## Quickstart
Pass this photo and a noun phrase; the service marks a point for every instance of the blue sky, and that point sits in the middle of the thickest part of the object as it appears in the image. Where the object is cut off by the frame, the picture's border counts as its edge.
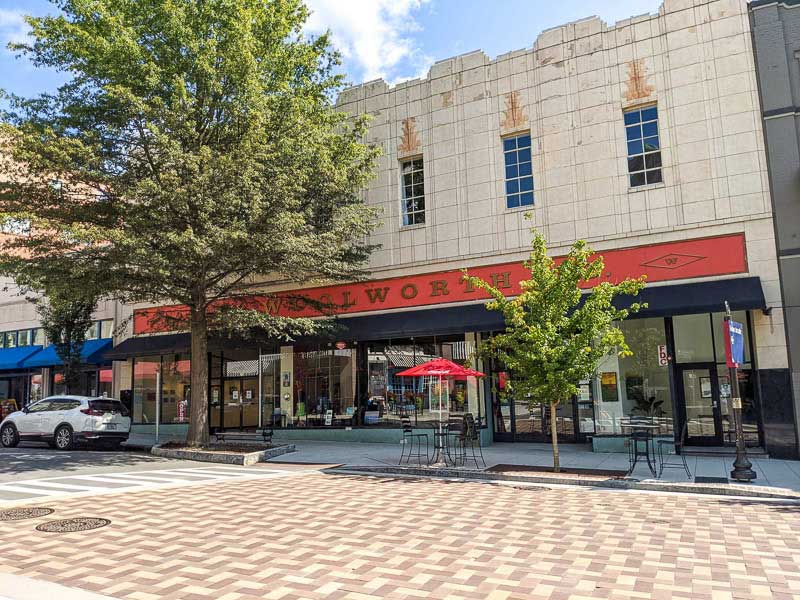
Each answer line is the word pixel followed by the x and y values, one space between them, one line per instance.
pixel 393 39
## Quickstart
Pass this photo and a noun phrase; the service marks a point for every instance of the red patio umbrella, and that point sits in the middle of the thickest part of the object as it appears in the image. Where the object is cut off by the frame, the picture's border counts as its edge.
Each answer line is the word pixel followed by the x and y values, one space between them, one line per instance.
pixel 440 367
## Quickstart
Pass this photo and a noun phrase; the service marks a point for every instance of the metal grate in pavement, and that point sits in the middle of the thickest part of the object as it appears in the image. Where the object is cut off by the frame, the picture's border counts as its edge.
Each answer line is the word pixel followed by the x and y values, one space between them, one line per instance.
pixel 698 479
pixel 24 512
pixel 73 525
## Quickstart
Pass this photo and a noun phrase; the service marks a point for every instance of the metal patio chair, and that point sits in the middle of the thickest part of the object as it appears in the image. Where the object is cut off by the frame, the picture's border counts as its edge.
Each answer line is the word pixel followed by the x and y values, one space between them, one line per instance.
pixel 409 436
pixel 674 448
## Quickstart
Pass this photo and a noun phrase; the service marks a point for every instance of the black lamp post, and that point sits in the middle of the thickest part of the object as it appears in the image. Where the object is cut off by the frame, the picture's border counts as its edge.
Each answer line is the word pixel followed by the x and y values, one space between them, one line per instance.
pixel 742 467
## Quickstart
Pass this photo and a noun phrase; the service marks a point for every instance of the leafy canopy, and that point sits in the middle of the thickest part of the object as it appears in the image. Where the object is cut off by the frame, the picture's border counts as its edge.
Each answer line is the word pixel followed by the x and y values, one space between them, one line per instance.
pixel 556 334
pixel 199 151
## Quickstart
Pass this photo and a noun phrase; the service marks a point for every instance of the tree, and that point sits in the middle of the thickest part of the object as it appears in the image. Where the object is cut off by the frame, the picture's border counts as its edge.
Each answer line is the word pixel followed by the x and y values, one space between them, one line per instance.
pixel 200 154
pixel 66 315
pixel 555 333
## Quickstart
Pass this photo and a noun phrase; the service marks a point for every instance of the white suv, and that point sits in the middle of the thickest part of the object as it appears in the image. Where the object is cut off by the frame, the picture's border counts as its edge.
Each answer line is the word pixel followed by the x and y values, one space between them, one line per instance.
pixel 61 421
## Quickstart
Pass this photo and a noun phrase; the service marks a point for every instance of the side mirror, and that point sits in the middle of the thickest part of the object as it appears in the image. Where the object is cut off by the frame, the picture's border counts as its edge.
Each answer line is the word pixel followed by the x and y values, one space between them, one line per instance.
pixel 25 409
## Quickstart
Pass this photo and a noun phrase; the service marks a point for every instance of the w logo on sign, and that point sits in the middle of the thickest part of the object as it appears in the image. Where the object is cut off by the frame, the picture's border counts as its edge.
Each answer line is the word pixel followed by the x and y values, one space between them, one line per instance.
pixel 672 261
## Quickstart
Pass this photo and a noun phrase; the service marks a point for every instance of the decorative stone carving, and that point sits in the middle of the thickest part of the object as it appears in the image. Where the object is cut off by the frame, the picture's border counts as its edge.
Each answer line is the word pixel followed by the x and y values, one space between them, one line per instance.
pixel 637 86
pixel 409 141
pixel 447 99
pixel 514 116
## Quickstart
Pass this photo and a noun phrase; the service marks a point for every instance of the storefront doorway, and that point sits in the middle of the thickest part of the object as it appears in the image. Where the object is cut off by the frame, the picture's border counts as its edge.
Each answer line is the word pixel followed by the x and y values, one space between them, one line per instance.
pixel 705 397
pixel 240 399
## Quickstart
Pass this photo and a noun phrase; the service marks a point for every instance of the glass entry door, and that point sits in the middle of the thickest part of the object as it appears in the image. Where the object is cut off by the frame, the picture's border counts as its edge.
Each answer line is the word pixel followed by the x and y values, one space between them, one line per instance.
pixel 707 410
pixel 240 400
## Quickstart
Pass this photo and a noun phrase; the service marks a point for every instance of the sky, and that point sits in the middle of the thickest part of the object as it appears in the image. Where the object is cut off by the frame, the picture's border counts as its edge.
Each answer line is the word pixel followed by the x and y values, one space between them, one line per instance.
pixel 390 39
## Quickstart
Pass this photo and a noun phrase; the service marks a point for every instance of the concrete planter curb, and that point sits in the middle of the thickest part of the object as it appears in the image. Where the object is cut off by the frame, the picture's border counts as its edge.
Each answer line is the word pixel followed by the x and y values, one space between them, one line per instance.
pixel 730 489
pixel 244 458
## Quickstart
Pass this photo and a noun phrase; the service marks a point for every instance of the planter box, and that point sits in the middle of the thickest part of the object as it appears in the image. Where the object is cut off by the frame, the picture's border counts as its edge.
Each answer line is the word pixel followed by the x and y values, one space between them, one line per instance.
pixel 228 458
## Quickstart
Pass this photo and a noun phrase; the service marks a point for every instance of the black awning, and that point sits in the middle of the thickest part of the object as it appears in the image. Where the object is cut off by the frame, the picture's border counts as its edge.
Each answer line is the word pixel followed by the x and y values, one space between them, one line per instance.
pixel 742 293
pixel 148 345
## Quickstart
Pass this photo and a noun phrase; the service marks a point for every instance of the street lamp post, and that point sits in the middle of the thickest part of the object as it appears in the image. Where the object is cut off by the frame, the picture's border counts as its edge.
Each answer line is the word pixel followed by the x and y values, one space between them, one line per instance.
pixel 742 467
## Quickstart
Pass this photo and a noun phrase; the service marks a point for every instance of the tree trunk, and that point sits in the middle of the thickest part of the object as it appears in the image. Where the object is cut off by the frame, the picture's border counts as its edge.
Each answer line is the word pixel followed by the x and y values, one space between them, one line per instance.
pixel 198 407
pixel 554 437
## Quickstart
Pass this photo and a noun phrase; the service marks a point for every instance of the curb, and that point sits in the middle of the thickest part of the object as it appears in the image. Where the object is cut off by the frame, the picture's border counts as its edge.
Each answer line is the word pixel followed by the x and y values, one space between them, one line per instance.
pixel 245 459
pixel 730 489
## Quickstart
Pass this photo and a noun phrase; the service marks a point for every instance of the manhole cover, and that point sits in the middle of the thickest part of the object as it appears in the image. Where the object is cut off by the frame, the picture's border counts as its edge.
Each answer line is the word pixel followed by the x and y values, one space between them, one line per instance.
pixel 24 512
pixel 71 525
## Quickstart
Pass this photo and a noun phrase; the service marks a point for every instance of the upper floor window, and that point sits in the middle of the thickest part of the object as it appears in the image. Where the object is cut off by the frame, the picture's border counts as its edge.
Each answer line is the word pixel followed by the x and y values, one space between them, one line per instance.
pixel 24 337
pixel 10 339
pixel 644 149
pixel 413 192
pixel 519 171
pixel 37 337
pixel 106 328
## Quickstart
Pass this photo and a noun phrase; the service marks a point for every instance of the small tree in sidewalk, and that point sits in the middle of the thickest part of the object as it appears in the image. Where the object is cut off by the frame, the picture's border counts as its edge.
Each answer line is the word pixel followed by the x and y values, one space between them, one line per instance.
pixel 66 315
pixel 556 334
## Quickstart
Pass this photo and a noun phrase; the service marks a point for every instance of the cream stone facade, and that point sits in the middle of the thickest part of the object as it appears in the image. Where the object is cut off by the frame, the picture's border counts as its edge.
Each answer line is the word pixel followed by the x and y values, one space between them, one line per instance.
pixel 693 60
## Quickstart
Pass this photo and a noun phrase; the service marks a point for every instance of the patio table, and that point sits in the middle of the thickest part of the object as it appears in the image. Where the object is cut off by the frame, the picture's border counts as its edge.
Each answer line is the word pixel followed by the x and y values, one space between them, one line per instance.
pixel 641 432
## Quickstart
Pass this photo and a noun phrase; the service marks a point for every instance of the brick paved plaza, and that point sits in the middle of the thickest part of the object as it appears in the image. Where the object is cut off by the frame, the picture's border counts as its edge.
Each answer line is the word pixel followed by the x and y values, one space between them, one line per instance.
pixel 326 536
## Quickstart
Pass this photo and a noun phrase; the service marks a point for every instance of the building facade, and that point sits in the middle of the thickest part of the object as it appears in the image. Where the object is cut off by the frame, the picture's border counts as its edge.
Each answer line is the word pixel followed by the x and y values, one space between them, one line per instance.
pixel 643 138
pixel 30 368
pixel 776 42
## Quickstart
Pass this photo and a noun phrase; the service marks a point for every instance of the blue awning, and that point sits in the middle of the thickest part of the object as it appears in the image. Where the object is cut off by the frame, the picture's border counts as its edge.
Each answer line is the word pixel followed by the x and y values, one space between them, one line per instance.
pixel 92 353
pixel 12 358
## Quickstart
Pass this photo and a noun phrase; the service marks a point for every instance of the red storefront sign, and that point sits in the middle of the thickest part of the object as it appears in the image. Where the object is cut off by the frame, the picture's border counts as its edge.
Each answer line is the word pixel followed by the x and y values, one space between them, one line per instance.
pixel 723 255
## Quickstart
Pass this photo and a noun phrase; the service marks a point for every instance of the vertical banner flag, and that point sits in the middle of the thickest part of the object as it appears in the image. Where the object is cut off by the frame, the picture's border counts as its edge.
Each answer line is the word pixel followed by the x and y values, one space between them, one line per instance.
pixel 734 344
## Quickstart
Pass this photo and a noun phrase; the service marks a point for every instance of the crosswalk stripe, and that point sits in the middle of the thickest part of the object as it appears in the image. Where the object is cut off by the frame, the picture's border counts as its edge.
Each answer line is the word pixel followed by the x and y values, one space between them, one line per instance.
pixel 52 484
pixel 9 487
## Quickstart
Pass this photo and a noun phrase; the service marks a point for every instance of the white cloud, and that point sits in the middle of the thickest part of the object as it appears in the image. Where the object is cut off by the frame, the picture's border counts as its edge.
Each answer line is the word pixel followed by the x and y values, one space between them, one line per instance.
pixel 373 36
pixel 13 28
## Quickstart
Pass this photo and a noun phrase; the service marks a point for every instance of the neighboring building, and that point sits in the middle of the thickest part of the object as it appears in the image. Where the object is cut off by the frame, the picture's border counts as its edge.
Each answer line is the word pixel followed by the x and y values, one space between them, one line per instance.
pixel 30 369
pixel 642 138
pixel 776 41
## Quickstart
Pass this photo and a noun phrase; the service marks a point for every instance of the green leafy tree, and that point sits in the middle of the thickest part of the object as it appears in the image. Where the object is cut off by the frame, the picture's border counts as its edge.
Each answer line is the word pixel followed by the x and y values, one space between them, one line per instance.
pixel 555 333
pixel 66 315
pixel 200 155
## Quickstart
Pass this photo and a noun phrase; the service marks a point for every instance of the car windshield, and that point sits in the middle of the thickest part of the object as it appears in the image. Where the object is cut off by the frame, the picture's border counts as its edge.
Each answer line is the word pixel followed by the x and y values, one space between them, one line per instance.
pixel 109 406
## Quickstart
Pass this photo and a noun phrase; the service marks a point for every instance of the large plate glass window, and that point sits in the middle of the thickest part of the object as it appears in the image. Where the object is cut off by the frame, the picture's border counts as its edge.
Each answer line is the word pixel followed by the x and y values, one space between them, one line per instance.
pixel 519 170
pixel 413 192
pixel 644 147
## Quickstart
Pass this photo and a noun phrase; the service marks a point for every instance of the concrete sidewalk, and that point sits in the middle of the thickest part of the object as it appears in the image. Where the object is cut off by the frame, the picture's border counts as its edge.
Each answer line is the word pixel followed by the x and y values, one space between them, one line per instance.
pixel 773 473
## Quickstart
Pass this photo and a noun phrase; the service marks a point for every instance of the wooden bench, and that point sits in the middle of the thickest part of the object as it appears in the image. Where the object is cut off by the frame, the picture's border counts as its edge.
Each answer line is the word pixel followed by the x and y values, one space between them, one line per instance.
pixel 265 435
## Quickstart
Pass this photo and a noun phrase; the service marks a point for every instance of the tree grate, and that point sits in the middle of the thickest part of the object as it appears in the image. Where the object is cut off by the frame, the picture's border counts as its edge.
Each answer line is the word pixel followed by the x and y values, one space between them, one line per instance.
pixel 73 525
pixel 24 512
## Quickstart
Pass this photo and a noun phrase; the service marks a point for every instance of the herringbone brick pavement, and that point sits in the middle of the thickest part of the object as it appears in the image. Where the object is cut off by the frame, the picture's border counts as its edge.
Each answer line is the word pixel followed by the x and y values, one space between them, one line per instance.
pixel 337 537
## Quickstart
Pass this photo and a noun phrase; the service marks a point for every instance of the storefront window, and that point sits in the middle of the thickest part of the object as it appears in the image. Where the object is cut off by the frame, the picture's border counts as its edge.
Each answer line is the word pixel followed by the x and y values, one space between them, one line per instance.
pixel 324 387
pixel 175 393
pixel 423 399
pixel 36 388
pixel 692 338
pixel 105 379
pixel 635 385
pixel 145 372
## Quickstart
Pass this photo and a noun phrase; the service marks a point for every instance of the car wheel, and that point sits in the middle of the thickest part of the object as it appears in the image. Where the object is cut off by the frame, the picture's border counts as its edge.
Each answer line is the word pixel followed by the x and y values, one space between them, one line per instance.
pixel 9 436
pixel 63 438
